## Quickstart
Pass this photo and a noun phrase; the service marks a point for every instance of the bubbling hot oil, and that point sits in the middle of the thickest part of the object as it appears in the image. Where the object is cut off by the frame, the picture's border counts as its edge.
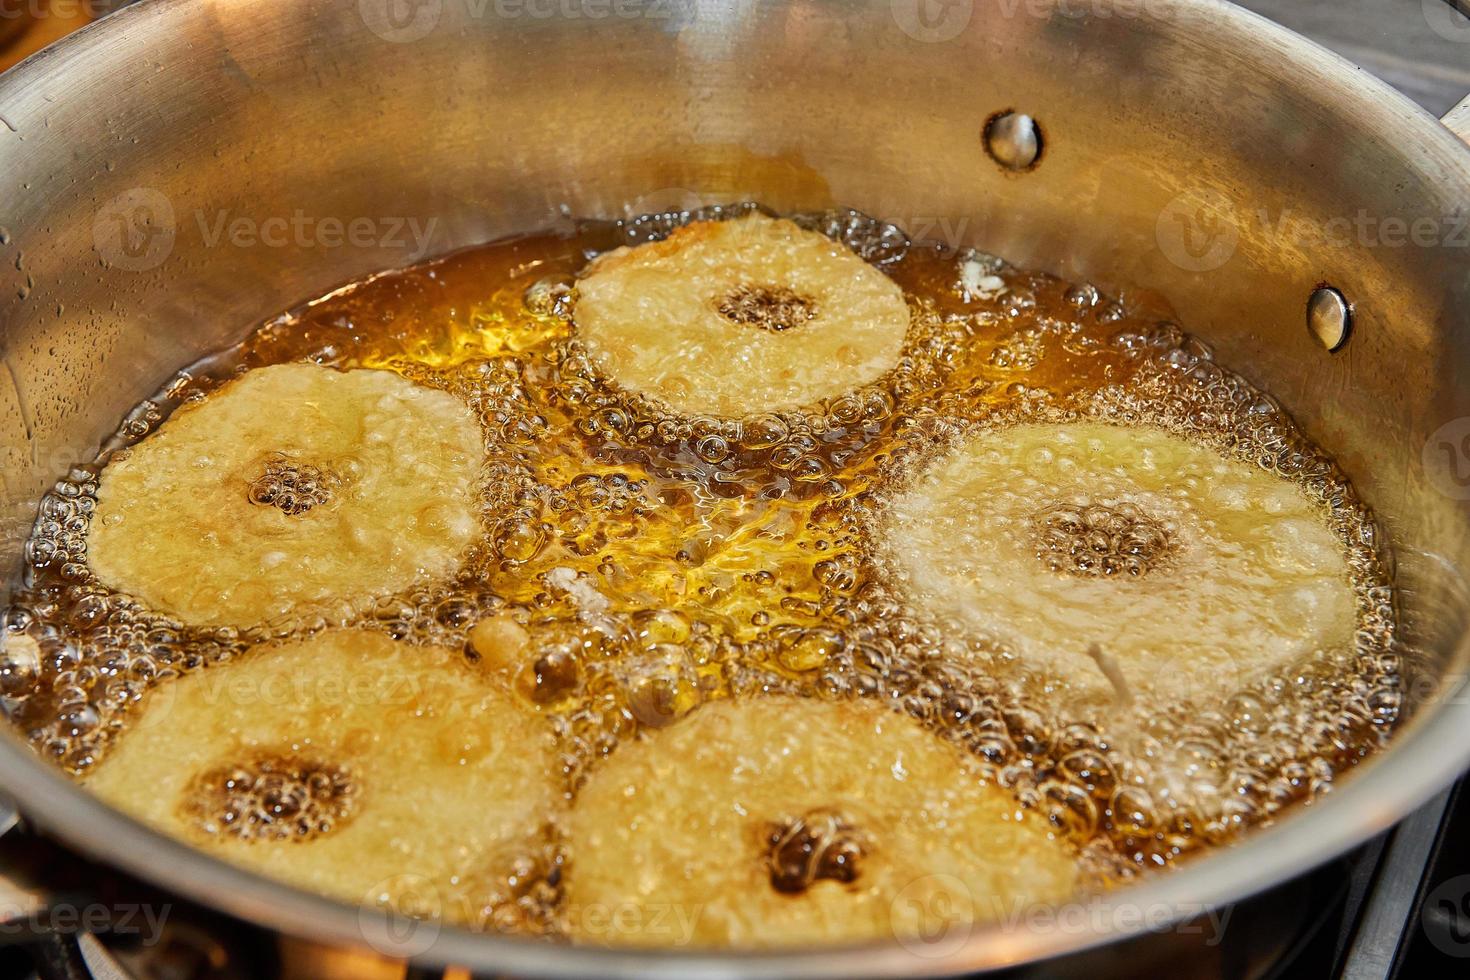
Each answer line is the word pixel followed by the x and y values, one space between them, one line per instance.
pixel 271 797
pixel 636 563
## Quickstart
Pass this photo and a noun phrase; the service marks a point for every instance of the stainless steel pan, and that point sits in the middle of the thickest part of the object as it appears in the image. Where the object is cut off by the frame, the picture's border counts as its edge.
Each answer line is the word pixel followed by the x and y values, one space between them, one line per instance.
pixel 1174 137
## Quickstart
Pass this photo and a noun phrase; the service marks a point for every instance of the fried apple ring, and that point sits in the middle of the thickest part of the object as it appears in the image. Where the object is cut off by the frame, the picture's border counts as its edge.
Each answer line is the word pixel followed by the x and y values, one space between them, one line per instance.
pixel 292 487
pixel 1121 563
pixel 784 821
pixel 739 317
pixel 347 764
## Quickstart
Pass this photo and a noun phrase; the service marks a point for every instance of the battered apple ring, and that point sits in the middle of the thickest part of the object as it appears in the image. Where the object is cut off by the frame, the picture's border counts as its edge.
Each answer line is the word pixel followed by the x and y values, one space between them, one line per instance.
pixel 739 317
pixel 1121 563
pixel 293 486
pixel 347 764
pixel 784 821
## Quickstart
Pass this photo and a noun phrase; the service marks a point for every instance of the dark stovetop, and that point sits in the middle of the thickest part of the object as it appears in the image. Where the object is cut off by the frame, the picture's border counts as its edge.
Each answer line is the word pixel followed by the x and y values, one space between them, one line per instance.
pixel 1418 46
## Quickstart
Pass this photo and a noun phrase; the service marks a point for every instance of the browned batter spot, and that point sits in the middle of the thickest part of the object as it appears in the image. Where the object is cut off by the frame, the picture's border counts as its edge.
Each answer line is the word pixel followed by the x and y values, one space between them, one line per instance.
pixel 291 487
pixel 272 798
pixel 821 844
pixel 768 307
pixel 1096 540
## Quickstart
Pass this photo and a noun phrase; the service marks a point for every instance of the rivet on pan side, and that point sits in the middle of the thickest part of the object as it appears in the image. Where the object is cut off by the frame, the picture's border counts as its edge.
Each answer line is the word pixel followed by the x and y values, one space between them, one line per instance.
pixel 1013 140
pixel 1329 317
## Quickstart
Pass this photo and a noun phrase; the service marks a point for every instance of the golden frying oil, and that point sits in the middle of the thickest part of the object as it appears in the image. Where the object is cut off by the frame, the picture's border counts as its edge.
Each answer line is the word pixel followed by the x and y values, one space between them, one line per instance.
pixel 636 563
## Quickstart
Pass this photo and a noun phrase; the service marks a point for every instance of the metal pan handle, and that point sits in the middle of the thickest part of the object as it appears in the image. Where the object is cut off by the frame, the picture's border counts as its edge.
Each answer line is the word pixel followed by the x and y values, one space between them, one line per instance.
pixel 1457 120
